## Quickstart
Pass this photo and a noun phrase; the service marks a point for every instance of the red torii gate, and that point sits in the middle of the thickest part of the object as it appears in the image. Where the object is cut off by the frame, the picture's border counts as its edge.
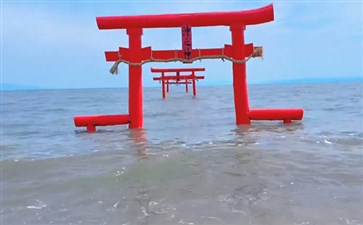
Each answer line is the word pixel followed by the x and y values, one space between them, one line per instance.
pixel 135 56
pixel 177 78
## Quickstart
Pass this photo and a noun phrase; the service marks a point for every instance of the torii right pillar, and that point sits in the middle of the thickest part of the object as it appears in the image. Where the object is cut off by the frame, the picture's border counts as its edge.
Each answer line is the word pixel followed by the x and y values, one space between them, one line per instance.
pixel 243 113
pixel 239 75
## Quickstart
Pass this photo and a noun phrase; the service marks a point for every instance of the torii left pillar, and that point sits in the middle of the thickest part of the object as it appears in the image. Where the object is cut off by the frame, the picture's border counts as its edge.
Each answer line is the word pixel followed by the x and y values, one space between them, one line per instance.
pixel 135 79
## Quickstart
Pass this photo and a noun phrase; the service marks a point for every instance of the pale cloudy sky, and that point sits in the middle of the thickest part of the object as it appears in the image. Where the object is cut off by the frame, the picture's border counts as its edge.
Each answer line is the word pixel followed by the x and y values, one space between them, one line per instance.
pixel 56 44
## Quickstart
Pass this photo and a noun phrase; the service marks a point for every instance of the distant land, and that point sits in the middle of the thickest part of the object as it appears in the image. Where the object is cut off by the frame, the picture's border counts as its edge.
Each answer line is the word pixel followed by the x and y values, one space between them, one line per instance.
pixel 18 87
pixel 315 80
pixel 14 87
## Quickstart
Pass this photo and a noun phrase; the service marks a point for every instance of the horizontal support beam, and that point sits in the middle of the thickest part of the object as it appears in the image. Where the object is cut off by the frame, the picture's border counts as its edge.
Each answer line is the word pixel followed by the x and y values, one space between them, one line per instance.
pixel 246 17
pixel 147 53
pixel 178 82
pixel 100 120
pixel 181 77
pixel 276 114
pixel 168 54
pixel 159 70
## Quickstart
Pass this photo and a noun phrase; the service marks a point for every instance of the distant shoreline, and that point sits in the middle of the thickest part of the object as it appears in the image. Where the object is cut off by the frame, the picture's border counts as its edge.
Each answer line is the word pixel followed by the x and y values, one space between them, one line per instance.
pixel 16 87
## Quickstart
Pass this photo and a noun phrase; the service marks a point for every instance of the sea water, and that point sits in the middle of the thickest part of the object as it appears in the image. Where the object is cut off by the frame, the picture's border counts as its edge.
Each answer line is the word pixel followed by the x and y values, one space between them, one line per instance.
pixel 190 164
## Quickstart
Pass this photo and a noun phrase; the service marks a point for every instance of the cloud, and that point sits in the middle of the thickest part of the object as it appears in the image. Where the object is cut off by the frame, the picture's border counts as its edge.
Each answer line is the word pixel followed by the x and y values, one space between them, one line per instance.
pixel 50 28
pixel 51 48
pixel 311 40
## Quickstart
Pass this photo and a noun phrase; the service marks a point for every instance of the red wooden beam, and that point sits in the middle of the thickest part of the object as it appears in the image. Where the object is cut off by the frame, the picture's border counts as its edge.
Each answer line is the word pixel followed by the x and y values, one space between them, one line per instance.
pixel 245 17
pixel 178 82
pixel 168 54
pixel 159 70
pixel 147 52
pixel 188 77
pixel 100 120
pixel 276 114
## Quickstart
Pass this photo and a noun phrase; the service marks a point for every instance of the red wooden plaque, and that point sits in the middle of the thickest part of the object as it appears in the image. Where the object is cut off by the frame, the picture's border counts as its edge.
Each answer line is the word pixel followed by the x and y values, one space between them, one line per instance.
pixel 187 41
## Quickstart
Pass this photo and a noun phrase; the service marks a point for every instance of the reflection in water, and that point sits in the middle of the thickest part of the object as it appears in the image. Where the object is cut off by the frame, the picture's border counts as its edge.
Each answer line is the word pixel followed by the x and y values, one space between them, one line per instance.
pixel 264 127
pixel 251 136
pixel 138 137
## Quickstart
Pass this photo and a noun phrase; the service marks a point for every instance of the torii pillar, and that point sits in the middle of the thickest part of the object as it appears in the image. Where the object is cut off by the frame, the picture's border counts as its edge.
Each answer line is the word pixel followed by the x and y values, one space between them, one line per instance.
pixel 239 75
pixel 135 79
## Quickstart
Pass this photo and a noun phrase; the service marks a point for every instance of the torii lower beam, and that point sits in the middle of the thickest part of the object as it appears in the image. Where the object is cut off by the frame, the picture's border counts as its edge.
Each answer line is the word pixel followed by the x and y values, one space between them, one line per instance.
pixel 100 120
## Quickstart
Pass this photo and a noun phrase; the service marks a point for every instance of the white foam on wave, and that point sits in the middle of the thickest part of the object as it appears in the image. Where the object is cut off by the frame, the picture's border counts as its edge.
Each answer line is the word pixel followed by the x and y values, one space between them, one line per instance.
pixel 40 205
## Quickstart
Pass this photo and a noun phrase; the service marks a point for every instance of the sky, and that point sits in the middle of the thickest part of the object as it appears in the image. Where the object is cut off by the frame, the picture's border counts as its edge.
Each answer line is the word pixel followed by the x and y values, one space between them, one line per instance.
pixel 57 44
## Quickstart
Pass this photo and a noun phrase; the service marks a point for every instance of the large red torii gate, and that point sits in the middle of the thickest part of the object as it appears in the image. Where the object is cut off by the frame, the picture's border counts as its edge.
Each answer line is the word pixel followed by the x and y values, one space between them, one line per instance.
pixel 238 53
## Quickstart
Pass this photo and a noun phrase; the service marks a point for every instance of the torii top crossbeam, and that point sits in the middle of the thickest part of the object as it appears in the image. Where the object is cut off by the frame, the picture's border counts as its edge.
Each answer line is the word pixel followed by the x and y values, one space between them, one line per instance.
pixel 245 17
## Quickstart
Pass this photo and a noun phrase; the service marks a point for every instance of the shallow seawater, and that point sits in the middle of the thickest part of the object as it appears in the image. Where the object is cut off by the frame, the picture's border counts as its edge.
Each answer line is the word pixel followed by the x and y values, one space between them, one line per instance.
pixel 190 165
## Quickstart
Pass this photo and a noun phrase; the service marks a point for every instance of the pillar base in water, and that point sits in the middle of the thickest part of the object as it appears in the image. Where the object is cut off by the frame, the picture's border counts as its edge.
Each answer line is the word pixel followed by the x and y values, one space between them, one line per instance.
pixel 286 115
pixel 100 120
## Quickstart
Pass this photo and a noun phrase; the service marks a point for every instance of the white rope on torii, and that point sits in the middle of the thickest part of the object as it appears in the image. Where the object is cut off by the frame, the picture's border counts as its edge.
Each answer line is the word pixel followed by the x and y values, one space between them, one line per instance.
pixel 256 52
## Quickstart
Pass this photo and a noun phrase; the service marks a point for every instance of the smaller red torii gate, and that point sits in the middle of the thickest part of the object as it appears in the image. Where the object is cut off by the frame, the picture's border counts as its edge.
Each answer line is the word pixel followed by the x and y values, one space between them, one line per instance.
pixel 177 78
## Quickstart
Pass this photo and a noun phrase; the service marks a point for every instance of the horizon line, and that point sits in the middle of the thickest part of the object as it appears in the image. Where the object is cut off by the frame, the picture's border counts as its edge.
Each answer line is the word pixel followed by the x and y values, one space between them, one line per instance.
pixel 20 87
